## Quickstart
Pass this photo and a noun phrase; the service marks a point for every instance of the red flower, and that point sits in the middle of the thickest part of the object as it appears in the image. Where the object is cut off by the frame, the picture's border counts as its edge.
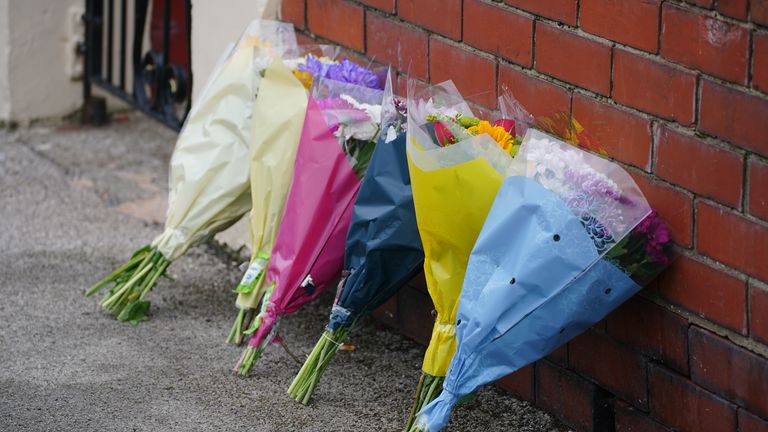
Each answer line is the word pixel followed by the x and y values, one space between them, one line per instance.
pixel 444 135
pixel 507 124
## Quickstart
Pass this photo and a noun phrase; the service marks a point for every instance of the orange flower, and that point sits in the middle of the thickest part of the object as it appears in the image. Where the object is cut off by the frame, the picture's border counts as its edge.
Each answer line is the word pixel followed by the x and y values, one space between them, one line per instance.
pixel 305 78
pixel 498 133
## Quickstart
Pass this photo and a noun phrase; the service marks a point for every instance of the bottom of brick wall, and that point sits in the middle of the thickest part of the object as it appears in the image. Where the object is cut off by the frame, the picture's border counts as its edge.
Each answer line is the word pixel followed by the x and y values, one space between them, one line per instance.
pixel 588 399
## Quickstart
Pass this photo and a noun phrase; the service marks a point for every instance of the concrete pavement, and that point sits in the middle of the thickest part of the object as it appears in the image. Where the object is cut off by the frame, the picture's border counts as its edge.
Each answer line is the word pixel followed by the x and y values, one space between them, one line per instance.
pixel 66 198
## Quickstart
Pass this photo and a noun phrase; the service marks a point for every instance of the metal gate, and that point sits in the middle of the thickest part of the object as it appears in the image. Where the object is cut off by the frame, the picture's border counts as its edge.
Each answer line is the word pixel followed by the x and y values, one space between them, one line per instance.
pixel 138 51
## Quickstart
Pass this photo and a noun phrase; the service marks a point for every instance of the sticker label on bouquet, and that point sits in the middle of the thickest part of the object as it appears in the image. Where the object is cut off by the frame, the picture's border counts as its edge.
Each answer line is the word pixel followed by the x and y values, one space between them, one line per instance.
pixel 252 275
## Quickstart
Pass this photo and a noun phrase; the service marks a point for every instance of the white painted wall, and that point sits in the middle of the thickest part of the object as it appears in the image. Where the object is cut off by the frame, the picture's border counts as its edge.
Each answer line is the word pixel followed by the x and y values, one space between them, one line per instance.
pixel 36 37
pixel 5 95
pixel 36 76
pixel 215 24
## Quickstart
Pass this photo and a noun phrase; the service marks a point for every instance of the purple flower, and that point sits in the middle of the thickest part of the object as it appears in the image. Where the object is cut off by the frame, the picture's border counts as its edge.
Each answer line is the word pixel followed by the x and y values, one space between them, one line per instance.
pixel 344 71
pixel 315 67
pixel 349 72
pixel 657 237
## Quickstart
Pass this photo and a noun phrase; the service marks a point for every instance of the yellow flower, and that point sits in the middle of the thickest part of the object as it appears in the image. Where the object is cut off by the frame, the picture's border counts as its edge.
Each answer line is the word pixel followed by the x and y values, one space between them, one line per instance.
pixel 254 42
pixel 304 77
pixel 498 133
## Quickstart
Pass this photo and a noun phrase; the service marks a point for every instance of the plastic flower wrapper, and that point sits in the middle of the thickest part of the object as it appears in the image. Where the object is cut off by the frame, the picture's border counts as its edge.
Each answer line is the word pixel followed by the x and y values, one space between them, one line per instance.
pixel 383 247
pixel 209 169
pixel 334 151
pixel 563 245
pixel 455 175
pixel 277 122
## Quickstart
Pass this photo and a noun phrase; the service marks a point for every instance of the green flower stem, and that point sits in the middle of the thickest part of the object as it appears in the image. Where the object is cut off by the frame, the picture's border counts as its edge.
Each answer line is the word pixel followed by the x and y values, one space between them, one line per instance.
pixel 159 272
pixel 303 386
pixel 428 389
pixel 113 300
pixel 236 332
pixel 133 262
pixel 306 368
pixel 131 283
pixel 247 360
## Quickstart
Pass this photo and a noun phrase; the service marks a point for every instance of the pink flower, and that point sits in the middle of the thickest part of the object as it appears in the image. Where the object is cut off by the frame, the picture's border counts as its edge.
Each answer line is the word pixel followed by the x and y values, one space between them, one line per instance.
pixel 657 237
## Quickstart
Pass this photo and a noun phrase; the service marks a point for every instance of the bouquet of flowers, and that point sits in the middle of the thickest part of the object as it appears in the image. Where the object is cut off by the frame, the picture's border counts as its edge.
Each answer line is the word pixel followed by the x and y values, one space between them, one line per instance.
pixel 383 247
pixel 457 163
pixel 564 244
pixel 209 169
pixel 340 131
pixel 278 118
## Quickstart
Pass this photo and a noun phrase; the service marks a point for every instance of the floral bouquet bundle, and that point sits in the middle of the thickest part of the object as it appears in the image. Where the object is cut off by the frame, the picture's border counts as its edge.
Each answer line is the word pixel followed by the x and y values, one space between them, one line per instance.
pixel 383 247
pixel 340 130
pixel 457 163
pixel 278 119
pixel 209 185
pixel 563 245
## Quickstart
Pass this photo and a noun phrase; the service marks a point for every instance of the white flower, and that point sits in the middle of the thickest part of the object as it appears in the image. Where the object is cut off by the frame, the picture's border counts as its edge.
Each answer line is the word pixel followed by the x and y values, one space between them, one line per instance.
pixel 373 111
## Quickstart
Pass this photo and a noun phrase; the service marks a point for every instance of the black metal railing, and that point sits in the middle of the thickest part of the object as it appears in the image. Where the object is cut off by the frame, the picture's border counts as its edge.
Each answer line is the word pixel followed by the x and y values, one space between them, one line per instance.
pixel 156 78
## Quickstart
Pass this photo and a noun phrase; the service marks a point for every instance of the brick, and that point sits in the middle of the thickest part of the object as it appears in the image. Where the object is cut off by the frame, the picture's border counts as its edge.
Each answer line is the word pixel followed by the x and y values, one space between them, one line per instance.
pixel 354 56
pixel 749 422
pixel 419 282
pixel 323 17
pixel 293 12
pixel 440 16
pixel 303 39
pixel 758 189
pixel 730 371
pixel 652 330
pixel 653 87
pixel 631 420
pixel 760 62
pixel 684 406
pixel 404 47
pixel 481 30
pixel 387 313
pixel 625 136
pixel 674 206
pixel 702 168
pixel 732 240
pixel 520 383
pixel 758 11
pixel 539 97
pixel 559 10
pixel 734 116
pixel 702 3
pixel 559 356
pixel 615 367
pixel 758 312
pixel 713 46
pixel 474 75
pixel 733 8
pixel 554 45
pixel 385 5
pixel 706 291
pixel 633 23
pixel 415 314
pixel 600 326
pixel 572 398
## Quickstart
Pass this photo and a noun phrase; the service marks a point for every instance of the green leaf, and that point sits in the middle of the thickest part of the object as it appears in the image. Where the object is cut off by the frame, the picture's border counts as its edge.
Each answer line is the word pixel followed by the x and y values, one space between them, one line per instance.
pixel 135 312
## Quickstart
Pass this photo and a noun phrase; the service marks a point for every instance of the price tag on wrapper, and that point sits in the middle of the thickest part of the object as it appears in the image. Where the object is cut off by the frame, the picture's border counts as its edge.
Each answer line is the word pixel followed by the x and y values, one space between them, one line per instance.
pixel 253 274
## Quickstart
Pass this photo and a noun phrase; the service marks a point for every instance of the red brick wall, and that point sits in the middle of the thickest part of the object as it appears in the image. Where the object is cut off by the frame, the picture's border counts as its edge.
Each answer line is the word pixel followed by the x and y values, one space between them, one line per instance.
pixel 677 91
